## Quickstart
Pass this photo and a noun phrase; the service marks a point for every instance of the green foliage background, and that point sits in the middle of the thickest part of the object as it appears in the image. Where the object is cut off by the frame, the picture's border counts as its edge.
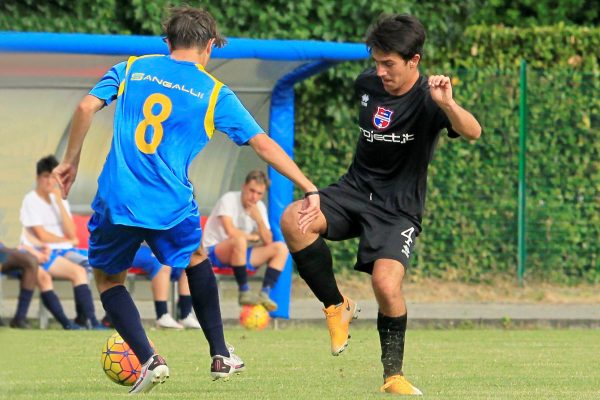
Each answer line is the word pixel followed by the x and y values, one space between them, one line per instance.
pixel 470 222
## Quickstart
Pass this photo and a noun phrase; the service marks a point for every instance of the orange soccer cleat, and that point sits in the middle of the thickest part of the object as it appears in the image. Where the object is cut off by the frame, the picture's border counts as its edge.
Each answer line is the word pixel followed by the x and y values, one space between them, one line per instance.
pixel 398 384
pixel 338 323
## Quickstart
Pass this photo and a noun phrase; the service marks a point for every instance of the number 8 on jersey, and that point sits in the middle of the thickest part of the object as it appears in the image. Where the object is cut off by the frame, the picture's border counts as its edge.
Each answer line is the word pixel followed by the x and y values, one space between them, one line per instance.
pixel 153 120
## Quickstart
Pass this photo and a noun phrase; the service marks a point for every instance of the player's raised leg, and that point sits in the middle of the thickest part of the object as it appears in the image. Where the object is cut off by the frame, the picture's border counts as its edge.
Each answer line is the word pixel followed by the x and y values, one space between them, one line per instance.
pixel 391 324
pixel 315 266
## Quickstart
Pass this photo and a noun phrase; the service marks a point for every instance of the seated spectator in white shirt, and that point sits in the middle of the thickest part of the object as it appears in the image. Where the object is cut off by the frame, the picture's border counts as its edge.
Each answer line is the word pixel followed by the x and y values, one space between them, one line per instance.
pixel 49 234
pixel 237 235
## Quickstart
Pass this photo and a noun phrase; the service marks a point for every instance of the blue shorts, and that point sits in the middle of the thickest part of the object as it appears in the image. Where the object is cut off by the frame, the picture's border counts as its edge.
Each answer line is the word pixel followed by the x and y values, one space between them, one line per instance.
pixel 113 247
pixel 218 264
pixel 78 256
pixel 146 260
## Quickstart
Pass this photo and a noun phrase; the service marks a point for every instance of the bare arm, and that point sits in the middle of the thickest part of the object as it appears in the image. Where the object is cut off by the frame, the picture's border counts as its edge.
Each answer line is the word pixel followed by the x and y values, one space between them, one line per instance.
pixel 265 234
pixel 463 122
pixel 67 223
pixel 37 234
pixel 66 171
pixel 232 231
pixel 272 153
pixel 268 150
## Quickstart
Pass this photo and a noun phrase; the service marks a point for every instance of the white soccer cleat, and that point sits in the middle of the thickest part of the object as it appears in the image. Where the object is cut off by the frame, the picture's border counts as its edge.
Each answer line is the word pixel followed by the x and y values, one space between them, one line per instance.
pixel 190 322
pixel 166 321
pixel 223 367
pixel 154 371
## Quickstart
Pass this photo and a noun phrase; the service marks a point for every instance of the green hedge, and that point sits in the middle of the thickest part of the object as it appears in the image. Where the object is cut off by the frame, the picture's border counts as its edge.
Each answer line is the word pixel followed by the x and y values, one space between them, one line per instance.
pixel 564 174
pixel 470 221
pixel 545 47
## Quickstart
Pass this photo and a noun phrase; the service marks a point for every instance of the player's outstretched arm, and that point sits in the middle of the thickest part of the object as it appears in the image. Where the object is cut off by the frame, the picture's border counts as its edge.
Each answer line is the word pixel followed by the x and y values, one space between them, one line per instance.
pixel 66 171
pixel 463 122
pixel 272 153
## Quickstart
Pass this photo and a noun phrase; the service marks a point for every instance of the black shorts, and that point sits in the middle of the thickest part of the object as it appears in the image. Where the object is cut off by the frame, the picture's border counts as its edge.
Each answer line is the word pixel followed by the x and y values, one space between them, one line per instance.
pixel 384 231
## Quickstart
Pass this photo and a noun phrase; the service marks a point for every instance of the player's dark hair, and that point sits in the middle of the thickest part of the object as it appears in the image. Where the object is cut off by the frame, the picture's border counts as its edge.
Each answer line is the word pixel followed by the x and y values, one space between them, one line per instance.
pixel 400 33
pixel 46 164
pixel 188 27
pixel 259 177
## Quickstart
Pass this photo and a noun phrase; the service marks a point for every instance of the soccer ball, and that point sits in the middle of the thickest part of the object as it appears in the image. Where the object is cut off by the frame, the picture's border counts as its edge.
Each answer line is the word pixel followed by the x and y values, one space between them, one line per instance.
pixel 254 317
pixel 119 362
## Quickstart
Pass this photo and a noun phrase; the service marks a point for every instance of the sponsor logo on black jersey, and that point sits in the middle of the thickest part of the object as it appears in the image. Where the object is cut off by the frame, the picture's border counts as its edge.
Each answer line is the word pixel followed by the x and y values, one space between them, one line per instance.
pixel 389 137
pixel 364 100
pixel 382 118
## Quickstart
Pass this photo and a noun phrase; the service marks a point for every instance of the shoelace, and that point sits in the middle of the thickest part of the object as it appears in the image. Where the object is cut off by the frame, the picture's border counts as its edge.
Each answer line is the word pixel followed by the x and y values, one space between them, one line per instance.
pixel 233 357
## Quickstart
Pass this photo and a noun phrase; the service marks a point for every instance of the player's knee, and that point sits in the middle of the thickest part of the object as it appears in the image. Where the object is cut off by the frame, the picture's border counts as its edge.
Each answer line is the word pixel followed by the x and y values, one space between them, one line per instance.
pixel 281 248
pixel 386 287
pixel 44 281
pixel 79 275
pixel 28 263
pixel 30 271
pixel 240 243
pixel 289 218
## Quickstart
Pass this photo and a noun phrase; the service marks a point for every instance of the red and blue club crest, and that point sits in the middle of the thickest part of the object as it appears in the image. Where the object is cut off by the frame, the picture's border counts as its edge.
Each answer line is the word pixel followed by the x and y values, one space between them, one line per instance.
pixel 382 118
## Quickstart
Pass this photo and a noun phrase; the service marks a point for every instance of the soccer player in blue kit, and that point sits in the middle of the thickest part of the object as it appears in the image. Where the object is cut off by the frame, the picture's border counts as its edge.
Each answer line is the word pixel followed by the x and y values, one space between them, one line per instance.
pixel 167 108
pixel 381 197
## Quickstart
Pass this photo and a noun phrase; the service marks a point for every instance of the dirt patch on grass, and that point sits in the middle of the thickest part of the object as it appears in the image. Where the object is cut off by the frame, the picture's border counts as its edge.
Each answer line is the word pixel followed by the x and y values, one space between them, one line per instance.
pixel 358 286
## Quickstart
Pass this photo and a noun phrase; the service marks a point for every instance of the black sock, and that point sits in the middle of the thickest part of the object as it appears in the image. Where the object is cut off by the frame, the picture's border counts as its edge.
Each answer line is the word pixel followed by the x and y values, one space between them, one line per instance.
pixel 270 279
pixel 80 318
pixel 83 297
pixel 241 277
pixel 205 299
pixel 184 306
pixel 391 337
pixel 52 303
pixel 121 309
pixel 161 308
pixel 316 268
pixel 23 304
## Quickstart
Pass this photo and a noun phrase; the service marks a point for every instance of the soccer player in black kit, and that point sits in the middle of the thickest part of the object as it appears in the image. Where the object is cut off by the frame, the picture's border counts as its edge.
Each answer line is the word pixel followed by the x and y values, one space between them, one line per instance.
pixel 380 199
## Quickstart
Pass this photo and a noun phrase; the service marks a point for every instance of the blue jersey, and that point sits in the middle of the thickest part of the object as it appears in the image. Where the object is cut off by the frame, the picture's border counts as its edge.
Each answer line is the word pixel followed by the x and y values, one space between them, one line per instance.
pixel 166 112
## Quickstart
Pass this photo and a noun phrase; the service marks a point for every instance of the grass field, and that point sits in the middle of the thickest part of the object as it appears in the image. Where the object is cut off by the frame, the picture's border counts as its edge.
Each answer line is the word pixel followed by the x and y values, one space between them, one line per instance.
pixel 294 363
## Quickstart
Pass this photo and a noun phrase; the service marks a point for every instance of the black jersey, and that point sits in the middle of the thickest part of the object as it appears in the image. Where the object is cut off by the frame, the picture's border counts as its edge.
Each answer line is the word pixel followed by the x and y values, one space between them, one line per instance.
pixel 397 139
